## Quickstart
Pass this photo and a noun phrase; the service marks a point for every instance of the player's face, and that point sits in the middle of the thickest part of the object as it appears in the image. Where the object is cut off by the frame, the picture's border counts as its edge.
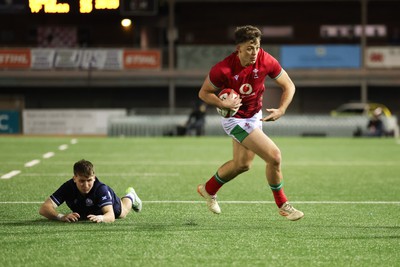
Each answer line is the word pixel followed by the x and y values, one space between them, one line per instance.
pixel 248 52
pixel 84 183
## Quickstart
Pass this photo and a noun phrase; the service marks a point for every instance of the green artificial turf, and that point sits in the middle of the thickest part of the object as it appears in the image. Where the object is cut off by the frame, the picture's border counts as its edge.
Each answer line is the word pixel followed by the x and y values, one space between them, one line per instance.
pixel 349 190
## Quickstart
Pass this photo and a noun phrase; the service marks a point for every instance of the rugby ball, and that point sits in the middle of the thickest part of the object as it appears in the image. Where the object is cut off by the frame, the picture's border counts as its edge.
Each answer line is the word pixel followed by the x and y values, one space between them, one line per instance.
pixel 224 94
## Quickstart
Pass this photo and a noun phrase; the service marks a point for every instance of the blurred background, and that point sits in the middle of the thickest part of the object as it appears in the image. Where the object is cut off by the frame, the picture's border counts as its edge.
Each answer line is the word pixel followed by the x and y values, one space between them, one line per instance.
pixel 85 66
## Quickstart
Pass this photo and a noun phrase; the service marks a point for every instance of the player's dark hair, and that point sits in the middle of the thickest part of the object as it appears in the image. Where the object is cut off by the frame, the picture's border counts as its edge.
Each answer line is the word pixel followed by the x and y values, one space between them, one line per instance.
pixel 247 33
pixel 83 168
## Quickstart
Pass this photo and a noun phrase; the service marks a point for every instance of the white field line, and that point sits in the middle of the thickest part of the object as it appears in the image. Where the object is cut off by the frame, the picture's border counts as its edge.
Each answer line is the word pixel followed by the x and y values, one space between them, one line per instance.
pixel 394 163
pixel 10 174
pixel 36 161
pixel 32 163
pixel 63 147
pixel 273 202
pixel 240 202
pixel 48 155
pixel 127 175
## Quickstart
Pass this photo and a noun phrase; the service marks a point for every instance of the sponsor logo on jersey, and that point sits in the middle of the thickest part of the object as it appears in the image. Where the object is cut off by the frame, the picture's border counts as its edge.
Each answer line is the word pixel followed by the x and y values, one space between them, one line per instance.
pixel 246 89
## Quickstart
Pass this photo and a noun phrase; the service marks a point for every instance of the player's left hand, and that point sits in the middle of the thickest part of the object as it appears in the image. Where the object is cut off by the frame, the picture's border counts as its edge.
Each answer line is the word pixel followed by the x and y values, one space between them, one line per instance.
pixel 96 218
pixel 274 114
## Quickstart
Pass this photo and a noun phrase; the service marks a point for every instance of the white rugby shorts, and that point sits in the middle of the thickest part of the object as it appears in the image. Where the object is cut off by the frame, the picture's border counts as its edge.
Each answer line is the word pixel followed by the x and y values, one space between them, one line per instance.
pixel 239 128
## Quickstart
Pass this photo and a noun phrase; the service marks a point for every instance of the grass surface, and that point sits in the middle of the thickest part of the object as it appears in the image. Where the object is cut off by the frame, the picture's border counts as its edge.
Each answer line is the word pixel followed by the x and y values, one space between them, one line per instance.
pixel 349 190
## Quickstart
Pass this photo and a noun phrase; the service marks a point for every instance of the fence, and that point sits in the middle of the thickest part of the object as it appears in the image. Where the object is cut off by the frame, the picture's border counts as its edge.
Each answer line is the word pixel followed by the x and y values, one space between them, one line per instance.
pixel 289 125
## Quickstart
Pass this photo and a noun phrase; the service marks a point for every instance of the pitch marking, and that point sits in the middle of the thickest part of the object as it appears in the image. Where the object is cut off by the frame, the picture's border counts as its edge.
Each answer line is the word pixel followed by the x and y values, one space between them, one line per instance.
pixel 36 161
pixel 238 202
pixel 32 163
pixel 10 174
pixel 63 147
pixel 48 155
pixel 272 202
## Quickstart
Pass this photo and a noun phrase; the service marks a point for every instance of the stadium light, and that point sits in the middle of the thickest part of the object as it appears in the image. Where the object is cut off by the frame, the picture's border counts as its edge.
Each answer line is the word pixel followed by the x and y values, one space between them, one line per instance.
pixel 126 23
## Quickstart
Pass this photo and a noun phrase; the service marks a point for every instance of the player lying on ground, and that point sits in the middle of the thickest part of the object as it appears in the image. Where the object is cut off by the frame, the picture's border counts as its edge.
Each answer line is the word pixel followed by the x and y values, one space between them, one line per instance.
pixel 89 199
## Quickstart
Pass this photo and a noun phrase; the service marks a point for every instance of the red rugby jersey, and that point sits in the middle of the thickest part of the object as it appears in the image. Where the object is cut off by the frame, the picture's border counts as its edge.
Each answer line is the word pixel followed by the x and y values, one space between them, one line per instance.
pixel 249 81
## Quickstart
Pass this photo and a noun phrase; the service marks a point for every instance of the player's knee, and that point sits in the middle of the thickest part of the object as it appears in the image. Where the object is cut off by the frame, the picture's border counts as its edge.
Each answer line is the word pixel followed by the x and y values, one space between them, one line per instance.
pixel 124 212
pixel 276 158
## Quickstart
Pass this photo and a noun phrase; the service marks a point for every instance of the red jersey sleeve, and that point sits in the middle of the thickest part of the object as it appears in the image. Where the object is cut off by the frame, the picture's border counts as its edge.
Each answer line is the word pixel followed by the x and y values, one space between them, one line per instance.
pixel 274 68
pixel 221 72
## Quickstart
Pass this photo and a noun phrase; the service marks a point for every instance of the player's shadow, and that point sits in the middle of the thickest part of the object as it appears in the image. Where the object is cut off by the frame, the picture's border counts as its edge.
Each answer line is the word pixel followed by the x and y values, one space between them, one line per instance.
pixel 39 222
pixel 23 223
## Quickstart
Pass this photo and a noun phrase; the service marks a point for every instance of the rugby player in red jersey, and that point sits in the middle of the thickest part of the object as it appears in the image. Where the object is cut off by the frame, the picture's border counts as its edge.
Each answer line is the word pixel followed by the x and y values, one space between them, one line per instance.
pixel 245 71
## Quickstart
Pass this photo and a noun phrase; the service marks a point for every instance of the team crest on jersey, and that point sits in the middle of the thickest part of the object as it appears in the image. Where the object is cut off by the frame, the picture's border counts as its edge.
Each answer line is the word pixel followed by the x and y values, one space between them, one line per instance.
pixel 236 77
pixel 246 89
pixel 89 202
pixel 255 71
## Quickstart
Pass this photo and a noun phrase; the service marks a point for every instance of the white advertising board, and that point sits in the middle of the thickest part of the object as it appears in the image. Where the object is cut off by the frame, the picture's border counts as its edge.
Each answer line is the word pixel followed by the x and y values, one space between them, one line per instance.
pixel 68 121
pixel 382 57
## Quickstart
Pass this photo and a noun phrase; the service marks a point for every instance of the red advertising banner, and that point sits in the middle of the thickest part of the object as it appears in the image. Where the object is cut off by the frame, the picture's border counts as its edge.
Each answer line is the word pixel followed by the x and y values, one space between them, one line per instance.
pixel 142 59
pixel 15 58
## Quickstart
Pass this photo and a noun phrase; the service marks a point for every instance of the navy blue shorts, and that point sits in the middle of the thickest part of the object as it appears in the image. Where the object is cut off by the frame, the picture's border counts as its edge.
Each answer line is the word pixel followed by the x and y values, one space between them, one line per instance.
pixel 117 207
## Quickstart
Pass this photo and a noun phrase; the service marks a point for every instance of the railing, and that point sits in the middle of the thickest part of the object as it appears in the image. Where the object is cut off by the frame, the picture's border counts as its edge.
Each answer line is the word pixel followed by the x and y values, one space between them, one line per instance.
pixel 289 125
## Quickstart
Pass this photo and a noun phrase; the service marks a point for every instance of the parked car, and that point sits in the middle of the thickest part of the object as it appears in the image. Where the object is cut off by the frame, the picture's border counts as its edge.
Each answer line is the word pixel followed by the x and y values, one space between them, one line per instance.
pixel 367 110
pixel 356 108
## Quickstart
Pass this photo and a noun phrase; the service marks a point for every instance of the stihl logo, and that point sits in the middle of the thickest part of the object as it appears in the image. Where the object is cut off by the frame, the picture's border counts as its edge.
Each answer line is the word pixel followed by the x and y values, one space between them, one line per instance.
pixel 376 57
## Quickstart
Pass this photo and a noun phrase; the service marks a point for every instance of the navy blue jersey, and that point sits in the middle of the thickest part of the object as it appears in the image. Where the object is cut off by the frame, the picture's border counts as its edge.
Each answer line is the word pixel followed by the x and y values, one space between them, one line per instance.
pixel 99 196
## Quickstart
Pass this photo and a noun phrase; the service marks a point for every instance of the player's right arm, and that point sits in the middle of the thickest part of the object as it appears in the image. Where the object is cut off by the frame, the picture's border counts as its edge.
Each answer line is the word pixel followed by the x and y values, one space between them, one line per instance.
pixel 48 210
pixel 207 94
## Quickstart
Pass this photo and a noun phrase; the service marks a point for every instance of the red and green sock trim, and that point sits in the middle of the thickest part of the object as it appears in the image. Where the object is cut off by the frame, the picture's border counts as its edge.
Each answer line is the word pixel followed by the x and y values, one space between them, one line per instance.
pixel 214 184
pixel 279 195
